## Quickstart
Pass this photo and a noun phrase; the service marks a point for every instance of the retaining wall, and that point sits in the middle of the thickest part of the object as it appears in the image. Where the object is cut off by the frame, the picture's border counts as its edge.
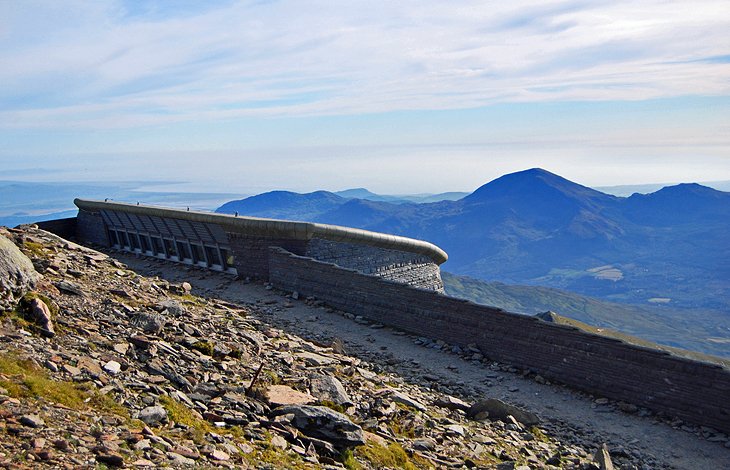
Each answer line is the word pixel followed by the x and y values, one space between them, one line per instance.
pixel 240 245
pixel 64 228
pixel 694 391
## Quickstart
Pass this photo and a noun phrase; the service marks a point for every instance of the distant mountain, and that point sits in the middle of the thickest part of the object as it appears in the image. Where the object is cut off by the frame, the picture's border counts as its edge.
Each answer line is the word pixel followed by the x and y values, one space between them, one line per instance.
pixel 362 193
pixel 670 248
pixel 285 205
pixel 699 331
pixel 629 189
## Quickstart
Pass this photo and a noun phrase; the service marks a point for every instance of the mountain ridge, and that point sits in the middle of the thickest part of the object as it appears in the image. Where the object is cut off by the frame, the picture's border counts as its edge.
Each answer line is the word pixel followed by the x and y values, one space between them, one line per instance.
pixel 537 228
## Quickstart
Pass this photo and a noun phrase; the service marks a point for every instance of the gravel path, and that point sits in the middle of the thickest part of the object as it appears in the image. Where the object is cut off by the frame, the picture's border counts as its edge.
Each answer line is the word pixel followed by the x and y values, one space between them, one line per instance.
pixel 573 416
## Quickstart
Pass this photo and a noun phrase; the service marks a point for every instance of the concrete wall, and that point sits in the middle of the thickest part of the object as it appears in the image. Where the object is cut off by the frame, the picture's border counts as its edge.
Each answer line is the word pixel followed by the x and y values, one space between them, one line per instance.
pixel 693 391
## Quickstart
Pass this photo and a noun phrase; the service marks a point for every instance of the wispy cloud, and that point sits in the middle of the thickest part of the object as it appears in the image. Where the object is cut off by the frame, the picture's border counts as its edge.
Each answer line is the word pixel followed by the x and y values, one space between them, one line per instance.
pixel 113 64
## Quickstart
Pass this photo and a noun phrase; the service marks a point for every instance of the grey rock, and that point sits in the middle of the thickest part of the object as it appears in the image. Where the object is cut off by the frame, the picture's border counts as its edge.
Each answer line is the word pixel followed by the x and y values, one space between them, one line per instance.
pixel 41 315
pixel 603 458
pixel 323 423
pixel 153 415
pixel 316 360
pixel 424 444
pixel 157 367
pixel 173 307
pixel 69 288
pixel 451 403
pixel 149 322
pixel 112 367
pixel 497 410
pixel 404 399
pixel 32 421
pixel 17 274
pixel 328 388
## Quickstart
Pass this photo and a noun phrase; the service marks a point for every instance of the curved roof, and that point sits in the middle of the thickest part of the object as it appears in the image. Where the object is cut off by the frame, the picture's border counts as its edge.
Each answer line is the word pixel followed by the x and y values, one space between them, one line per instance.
pixel 278 228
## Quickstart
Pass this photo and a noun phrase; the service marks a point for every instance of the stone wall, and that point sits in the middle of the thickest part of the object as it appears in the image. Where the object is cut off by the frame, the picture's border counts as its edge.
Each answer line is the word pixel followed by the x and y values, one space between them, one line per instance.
pixel 693 391
pixel 138 228
pixel 90 227
pixel 412 269
pixel 65 228
pixel 251 254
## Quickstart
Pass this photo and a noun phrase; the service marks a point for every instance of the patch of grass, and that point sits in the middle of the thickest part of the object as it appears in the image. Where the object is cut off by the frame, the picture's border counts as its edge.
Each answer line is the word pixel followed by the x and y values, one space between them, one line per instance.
pixel 333 406
pixel 267 453
pixel 189 298
pixel 392 456
pixel 180 413
pixel 102 402
pixel 34 249
pixel 539 435
pixel 27 298
pixel 274 378
pixel 206 347
pixel 401 425
pixel 349 461
pixel 21 314
pixel 27 380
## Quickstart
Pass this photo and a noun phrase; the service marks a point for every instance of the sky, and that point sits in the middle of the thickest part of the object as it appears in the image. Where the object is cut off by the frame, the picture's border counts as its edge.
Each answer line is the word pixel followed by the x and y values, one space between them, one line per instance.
pixel 399 97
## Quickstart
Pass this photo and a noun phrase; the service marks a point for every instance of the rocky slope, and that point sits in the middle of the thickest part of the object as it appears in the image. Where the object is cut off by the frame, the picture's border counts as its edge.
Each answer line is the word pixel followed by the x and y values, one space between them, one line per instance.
pixel 100 366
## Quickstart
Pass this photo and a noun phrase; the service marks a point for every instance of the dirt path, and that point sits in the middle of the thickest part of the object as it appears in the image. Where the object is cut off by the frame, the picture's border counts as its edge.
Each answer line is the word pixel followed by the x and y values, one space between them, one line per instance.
pixel 572 416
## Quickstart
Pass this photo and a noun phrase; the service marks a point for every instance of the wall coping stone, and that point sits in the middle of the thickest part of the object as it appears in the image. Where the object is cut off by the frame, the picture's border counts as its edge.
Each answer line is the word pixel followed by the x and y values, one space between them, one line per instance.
pixel 257 226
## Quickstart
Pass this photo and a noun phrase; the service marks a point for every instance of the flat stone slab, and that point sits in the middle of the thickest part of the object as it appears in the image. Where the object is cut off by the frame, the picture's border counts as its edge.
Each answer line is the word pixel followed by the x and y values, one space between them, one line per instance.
pixel 315 360
pixel 282 395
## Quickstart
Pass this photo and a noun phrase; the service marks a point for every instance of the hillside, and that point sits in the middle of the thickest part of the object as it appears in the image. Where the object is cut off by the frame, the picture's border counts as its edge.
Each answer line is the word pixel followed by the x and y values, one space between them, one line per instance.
pixel 100 366
pixel 596 315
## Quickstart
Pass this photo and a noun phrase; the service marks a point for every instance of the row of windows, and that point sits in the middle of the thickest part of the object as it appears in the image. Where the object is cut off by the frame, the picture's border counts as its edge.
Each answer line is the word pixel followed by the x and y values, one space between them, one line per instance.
pixel 211 256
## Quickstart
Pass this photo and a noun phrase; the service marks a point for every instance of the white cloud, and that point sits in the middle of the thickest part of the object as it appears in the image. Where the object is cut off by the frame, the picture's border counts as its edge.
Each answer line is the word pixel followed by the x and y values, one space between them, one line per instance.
pixel 90 65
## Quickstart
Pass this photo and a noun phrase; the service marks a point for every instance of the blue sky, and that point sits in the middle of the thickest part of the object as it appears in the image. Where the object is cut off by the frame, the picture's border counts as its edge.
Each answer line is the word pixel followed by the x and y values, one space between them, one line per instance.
pixel 407 96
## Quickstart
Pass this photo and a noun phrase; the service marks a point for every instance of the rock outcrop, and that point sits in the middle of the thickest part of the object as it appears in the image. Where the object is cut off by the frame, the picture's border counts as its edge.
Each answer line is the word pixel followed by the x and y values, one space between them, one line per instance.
pixel 17 274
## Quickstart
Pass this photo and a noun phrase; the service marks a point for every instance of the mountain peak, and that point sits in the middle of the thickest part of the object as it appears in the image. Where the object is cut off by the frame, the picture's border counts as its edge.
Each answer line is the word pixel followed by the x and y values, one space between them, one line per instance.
pixel 535 182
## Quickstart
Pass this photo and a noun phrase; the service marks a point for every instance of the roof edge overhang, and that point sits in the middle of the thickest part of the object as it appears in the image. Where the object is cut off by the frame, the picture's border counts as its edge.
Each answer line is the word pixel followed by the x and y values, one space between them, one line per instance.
pixel 277 228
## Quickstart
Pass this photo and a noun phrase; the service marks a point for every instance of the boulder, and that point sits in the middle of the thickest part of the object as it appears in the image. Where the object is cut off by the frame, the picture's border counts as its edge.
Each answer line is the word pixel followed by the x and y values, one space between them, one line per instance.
pixel 153 415
pixel 406 400
pixel 497 410
pixel 323 423
pixel 328 388
pixel 603 458
pixel 17 274
pixel 41 315
pixel 451 403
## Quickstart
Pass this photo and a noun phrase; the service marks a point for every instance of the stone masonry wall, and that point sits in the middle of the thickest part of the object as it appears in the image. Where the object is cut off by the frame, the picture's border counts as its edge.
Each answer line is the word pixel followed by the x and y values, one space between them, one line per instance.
pixel 251 254
pixel 693 391
pixel 400 266
pixel 65 228
pixel 90 227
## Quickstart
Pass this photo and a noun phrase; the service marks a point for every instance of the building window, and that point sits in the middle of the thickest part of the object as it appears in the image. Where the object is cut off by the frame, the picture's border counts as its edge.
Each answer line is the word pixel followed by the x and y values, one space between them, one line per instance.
pixel 157 246
pixel 134 241
pixel 170 247
pixel 213 255
pixel 184 251
pixel 113 237
pixel 146 247
pixel 125 239
pixel 228 257
pixel 198 255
